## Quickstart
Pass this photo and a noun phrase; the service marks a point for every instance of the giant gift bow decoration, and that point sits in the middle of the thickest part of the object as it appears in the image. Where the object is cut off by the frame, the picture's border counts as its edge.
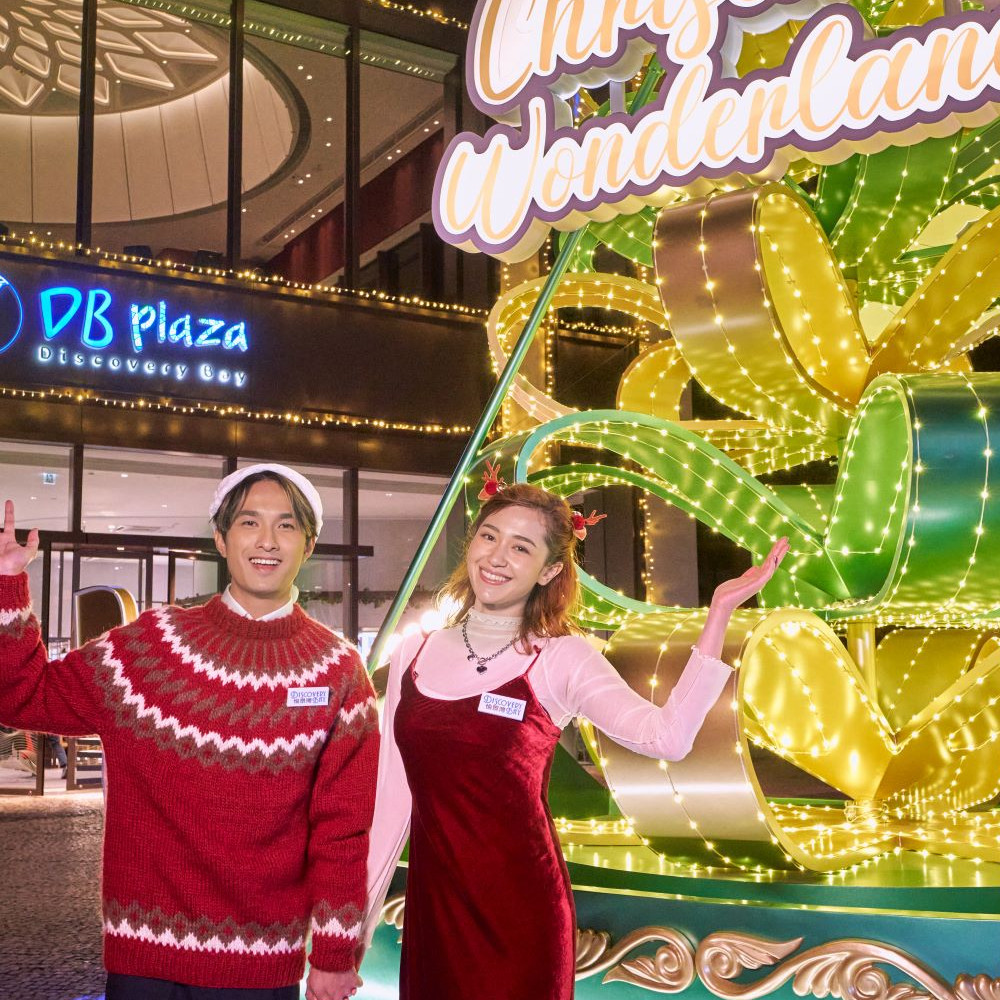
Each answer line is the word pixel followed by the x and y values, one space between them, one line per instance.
pixel 908 535
pixel 815 191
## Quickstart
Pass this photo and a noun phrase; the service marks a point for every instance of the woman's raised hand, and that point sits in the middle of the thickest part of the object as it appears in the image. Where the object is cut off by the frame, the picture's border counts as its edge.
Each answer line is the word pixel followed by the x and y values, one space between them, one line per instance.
pixel 14 558
pixel 730 595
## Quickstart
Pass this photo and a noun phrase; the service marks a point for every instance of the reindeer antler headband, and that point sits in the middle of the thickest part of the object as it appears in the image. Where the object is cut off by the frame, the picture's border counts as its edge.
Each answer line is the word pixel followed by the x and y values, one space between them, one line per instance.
pixel 581 523
pixel 494 483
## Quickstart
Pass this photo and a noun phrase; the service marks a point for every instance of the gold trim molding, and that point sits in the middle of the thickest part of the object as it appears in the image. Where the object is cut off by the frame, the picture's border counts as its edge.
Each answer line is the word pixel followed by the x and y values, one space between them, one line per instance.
pixel 670 970
pixel 847 969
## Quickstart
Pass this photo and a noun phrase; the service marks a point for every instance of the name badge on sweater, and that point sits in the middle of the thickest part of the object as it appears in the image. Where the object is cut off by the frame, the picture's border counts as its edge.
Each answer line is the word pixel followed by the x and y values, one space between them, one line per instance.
pixel 497 704
pixel 307 697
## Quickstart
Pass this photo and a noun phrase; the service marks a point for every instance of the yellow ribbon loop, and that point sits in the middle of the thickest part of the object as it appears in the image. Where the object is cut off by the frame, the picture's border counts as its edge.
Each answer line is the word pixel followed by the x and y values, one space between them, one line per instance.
pixel 759 309
pixel 654 382
pixel 576 291
pixel 935 324
pixel 800 696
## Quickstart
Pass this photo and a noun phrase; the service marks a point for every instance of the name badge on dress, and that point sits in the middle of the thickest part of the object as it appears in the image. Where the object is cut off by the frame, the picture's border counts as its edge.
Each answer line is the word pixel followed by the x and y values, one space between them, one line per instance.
pixel 307 697
pixel 507 708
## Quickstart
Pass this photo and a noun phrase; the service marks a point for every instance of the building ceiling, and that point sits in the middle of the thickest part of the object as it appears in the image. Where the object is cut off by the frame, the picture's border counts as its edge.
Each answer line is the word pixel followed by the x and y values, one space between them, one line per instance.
pixel 161 128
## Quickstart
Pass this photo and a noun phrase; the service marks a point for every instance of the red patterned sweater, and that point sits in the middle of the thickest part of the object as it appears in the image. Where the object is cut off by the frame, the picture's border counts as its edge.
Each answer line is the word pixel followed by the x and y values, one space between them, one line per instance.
pixel 234 823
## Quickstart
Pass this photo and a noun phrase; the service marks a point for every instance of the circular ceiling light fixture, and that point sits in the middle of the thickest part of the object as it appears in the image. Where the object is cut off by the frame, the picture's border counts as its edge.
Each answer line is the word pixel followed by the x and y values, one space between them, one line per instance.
pixel 161 123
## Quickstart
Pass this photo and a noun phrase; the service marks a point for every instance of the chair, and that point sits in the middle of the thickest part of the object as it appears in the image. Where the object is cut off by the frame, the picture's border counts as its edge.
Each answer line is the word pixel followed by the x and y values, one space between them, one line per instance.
pixel 98 609
pixel 95 611
pixel 14 750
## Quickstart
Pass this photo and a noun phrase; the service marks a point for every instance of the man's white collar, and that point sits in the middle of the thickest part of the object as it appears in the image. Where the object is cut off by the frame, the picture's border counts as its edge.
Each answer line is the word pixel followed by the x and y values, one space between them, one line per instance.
pixel 234 605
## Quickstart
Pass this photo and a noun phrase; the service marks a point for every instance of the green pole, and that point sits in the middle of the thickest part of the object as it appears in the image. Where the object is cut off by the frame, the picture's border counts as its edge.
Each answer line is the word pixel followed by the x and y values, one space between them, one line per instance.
pixel 472 447
pixel 475 442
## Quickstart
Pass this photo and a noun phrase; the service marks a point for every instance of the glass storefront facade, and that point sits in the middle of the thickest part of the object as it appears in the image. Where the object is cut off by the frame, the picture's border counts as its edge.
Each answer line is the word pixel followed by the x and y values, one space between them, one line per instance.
pixel 143 526
pixel 179 179
pixel 148 493
pixel 37 478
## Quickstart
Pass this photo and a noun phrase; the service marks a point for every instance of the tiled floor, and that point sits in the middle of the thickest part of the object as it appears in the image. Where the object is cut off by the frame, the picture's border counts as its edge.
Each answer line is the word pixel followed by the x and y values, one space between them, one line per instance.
pixel 15 779
pixel 50 928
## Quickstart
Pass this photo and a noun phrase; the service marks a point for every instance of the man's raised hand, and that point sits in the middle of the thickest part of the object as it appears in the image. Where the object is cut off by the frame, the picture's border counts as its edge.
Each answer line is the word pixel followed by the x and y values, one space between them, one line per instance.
pixel 14 558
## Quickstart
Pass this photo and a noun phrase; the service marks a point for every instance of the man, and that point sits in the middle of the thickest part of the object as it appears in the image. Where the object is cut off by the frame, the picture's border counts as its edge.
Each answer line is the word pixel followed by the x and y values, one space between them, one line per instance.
pixel 240 741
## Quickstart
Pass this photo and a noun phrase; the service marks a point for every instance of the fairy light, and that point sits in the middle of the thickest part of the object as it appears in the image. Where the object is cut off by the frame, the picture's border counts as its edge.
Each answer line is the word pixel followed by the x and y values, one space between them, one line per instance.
pixel 245 278
pixel 424 13
pixel 798 413
pixel 311 419
pixel 578 291
pixel 732 379
pixel 863 834
pixel 828 841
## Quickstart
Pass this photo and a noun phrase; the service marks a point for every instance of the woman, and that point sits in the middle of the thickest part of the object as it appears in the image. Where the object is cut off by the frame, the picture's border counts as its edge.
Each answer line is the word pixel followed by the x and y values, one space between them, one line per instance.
pixel 472 717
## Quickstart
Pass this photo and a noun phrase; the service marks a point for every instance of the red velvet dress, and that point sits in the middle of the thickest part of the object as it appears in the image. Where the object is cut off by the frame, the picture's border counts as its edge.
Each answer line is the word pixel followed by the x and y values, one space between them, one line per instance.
pixel 489 910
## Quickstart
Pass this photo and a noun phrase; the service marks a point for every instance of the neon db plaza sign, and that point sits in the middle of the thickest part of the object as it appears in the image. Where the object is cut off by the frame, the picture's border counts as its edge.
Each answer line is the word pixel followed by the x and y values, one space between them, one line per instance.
pixel 92 329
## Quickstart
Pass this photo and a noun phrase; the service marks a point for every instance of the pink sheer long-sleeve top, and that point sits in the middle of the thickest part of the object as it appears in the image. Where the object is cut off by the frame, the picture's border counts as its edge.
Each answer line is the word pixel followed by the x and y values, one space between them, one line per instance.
pixel 570 678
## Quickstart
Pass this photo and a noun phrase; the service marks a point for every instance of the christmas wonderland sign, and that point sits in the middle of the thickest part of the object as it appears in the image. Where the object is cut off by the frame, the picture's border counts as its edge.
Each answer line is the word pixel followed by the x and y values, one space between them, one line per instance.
pixel 837 91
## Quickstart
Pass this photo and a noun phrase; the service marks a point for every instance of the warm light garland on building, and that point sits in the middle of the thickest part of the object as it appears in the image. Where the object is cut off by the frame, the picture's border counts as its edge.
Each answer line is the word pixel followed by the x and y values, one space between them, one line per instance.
pixel 248 278
pixel 230 411
pixel 427 13
pixel 222 18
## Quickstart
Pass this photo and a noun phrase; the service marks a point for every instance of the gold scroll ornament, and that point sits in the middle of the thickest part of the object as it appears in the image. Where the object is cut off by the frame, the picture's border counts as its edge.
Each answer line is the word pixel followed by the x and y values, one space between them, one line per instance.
pixel 847 967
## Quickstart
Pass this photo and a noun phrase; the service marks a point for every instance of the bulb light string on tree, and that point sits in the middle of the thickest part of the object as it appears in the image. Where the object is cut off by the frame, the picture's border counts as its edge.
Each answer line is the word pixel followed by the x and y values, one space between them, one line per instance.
pixel 833 311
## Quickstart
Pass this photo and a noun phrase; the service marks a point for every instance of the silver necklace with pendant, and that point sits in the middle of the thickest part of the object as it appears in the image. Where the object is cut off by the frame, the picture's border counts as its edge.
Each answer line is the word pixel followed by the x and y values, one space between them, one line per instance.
pixel 481 661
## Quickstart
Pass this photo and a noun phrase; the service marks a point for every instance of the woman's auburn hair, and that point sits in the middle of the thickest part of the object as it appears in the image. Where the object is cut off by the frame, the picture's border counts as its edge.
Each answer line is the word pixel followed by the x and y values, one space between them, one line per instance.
pixel 550 607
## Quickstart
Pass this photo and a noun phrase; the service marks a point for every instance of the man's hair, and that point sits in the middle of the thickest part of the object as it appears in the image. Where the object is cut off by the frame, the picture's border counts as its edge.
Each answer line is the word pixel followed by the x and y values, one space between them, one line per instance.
pixel 232 503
